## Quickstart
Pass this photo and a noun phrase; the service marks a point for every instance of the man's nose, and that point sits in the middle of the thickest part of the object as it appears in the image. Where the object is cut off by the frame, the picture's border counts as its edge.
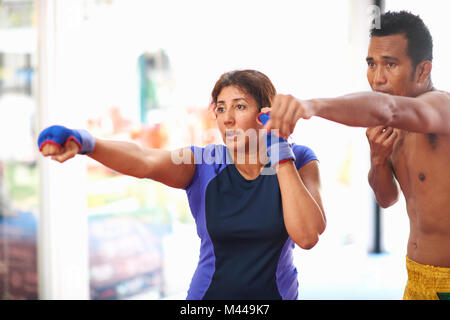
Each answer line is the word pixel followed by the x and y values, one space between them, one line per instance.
pixel 379 76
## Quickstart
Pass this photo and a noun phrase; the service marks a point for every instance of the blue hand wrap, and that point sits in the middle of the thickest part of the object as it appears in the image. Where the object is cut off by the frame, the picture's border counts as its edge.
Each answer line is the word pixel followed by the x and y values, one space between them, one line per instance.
pixel 278 149
pixel 59 135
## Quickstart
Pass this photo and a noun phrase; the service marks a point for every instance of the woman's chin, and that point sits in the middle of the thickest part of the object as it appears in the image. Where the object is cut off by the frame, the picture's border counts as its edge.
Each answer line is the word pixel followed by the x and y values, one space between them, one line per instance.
pixel 235 146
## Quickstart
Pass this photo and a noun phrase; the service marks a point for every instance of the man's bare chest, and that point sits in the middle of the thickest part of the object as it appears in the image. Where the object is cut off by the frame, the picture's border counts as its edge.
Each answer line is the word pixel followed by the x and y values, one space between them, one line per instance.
pixel 419 160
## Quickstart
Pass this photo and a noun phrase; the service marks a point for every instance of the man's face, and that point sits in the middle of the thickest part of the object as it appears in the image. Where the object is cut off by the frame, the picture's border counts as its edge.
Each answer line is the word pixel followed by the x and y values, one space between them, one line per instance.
pixel 389 67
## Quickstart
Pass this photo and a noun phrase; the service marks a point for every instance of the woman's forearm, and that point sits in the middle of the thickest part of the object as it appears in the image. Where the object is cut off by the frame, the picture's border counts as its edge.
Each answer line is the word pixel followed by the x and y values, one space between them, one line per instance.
pixel 303 217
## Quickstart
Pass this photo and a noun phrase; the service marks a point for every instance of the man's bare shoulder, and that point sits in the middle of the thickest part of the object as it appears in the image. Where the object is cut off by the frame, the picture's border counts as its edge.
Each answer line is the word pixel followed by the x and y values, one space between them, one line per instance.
pixel 435 93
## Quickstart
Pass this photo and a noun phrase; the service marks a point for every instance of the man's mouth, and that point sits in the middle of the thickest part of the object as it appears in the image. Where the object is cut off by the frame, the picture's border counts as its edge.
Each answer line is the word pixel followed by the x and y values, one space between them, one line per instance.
pixel 383 91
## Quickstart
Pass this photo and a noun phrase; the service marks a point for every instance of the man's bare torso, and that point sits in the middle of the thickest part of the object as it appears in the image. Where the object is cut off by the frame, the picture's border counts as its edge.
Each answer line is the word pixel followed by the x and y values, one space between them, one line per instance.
pixel 421 164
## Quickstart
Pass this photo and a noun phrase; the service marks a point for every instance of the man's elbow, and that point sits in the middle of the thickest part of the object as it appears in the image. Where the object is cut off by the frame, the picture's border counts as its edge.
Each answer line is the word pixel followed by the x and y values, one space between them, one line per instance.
pixel 389 112
pixel 386 202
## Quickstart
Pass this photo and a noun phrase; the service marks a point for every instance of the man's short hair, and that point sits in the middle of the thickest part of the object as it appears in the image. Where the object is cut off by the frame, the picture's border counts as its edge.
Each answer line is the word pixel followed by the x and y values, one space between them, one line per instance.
pixel 420 42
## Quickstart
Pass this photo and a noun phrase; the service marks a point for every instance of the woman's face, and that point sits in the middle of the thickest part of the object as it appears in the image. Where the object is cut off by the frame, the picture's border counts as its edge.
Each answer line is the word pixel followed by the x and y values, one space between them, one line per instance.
pixel 236 113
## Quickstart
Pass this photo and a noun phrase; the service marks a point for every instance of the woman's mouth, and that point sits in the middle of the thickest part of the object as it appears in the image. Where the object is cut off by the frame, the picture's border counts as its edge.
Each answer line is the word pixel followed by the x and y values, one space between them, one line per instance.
pixel 230 134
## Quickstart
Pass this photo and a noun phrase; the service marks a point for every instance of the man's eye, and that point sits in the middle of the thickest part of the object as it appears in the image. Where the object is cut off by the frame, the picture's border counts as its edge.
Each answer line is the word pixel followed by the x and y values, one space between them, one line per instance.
pixel 391 64
pixel 371 64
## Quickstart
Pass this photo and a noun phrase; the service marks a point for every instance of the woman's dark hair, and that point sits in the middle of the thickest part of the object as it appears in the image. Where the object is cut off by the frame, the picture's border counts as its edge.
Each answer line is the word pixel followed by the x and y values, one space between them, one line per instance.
pixel 255 83
pixel 420 42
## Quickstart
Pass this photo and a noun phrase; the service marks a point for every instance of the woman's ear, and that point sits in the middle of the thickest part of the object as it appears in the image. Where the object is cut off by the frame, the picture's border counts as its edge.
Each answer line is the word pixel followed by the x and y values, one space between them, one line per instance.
pixel 212 110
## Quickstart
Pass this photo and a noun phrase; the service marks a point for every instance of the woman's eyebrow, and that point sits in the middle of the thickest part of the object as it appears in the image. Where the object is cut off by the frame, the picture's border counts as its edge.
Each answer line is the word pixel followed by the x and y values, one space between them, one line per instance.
pixel 234 100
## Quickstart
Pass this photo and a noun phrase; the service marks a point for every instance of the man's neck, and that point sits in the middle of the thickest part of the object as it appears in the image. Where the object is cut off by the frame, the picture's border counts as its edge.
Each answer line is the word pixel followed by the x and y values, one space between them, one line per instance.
pixel 426 88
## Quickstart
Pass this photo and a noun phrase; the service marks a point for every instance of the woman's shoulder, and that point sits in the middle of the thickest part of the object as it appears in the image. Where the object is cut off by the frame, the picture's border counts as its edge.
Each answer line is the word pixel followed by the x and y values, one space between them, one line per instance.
pixel 303 155
pixel 209 161
pixel 210 154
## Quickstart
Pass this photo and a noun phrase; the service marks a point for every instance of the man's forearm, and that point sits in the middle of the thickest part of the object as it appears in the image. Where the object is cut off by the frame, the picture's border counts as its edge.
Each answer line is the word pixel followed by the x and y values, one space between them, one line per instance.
pixel 383 184
pixel 365 109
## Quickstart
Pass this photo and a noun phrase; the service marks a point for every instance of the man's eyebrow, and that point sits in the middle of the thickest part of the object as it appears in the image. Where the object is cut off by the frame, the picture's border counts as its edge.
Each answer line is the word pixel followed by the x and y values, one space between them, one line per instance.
pixel 390 58
pixel 384 57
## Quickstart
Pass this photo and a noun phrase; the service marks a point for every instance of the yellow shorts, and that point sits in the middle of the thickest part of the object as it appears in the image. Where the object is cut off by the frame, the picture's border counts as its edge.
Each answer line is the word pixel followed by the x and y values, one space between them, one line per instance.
pixel 426 282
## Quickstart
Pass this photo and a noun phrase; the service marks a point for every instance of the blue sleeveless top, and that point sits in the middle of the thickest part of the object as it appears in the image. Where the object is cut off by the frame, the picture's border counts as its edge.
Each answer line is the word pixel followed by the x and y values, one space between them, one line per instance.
pixel 246 252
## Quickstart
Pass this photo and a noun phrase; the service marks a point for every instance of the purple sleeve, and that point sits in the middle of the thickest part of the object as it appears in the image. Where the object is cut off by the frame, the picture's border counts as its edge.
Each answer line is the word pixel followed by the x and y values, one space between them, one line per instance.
pixel 209 161
pixel 196 151
pixel 303 155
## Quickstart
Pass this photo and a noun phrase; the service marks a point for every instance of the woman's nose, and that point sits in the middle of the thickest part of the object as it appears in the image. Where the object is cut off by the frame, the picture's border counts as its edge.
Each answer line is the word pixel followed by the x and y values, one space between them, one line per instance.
pixel 228 117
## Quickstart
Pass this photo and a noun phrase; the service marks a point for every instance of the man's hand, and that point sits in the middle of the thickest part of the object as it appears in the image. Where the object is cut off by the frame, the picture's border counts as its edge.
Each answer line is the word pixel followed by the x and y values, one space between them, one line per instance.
pixel 381 177
pixel 286 111
pixel 381 140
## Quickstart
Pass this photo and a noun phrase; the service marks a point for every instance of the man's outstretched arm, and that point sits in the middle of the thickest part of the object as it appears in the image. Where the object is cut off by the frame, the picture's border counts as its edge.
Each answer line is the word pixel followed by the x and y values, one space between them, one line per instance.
pixel 427 113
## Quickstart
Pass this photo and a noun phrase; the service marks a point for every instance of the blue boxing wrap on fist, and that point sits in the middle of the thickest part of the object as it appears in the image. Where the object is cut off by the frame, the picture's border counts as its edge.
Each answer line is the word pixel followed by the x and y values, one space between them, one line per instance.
pixel 278 149
pixel 59 135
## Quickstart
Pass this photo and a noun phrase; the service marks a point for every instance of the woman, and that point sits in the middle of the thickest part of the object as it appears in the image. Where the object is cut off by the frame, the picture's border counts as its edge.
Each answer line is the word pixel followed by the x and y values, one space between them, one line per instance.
pixel 249 210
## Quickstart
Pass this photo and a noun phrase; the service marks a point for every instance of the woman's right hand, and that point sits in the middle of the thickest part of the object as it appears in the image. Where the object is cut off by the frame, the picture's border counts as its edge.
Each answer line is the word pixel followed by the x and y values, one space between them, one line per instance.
pixel 60 153
pixel 63 144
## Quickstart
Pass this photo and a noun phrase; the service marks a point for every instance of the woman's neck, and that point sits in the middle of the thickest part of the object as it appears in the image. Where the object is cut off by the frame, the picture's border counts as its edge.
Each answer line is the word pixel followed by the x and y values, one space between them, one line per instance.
pixel 249 164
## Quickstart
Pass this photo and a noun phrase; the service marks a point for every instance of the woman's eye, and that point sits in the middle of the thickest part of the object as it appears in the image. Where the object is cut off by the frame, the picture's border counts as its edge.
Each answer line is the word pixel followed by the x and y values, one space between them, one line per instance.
pixel 240 107
pixel 220 109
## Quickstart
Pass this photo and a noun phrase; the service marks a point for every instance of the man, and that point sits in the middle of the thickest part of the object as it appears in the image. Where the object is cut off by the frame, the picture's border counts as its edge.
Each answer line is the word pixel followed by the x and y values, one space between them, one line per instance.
pixel 408 123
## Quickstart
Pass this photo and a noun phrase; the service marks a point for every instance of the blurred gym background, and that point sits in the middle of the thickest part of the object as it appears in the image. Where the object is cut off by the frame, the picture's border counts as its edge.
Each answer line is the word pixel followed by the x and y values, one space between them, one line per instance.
pixel 142 71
